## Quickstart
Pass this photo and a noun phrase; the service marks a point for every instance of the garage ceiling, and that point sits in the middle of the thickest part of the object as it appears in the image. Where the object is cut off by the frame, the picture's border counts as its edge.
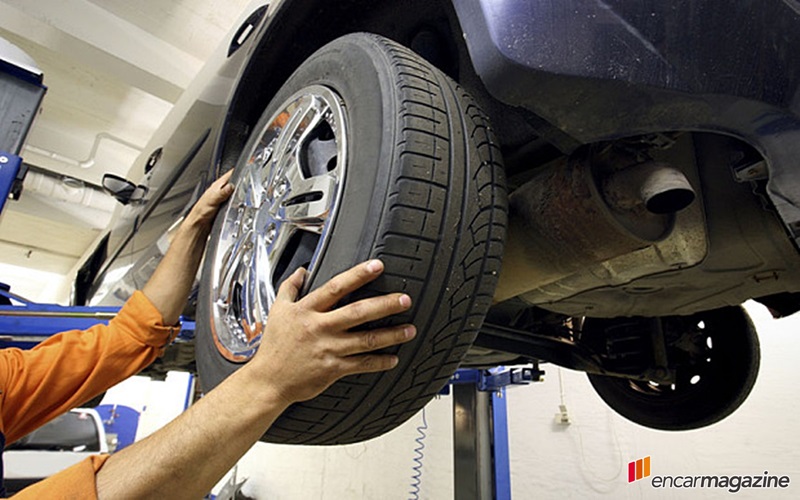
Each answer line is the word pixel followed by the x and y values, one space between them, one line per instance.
pixel 114 69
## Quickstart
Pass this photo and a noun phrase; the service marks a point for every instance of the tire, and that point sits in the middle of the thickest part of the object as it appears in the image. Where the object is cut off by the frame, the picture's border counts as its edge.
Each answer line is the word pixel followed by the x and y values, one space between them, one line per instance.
pixel 418 183
pixel 710 384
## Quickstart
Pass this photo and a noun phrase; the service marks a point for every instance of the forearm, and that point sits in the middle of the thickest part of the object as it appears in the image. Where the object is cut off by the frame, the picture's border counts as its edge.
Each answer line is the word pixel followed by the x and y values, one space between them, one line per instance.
pixel 71 367
pixel 307 345
pixel 172 280
pixel 169 286
pixel 186 458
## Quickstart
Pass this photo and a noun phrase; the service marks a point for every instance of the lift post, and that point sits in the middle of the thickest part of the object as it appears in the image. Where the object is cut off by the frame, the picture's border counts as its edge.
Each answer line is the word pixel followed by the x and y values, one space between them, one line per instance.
pixel 480 430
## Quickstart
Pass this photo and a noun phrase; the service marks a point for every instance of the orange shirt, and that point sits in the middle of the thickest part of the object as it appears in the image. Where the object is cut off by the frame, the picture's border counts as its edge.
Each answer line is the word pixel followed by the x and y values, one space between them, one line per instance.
pixel 70 368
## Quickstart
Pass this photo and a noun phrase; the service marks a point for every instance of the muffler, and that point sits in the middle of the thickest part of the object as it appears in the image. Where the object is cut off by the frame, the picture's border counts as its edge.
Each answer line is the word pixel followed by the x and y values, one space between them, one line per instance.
pixel 574 213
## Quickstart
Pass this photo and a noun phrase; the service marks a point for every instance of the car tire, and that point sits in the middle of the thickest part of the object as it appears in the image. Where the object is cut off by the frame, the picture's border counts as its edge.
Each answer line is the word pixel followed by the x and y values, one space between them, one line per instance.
pixel 707 389
pixel 421 187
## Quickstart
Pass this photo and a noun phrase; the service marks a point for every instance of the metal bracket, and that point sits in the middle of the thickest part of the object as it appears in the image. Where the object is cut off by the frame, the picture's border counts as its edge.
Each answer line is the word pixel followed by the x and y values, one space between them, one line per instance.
pixel 559 351
pixel 9 168
pixel 494 379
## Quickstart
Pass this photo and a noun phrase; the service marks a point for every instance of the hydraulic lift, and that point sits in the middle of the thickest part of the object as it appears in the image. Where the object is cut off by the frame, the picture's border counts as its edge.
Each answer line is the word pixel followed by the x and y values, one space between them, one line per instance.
pixel 21 93
pixel 480 430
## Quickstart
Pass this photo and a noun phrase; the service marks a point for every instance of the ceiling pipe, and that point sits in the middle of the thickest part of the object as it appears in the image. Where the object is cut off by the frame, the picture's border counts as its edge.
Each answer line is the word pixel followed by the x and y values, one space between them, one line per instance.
pixel 89 161
pixel 66 189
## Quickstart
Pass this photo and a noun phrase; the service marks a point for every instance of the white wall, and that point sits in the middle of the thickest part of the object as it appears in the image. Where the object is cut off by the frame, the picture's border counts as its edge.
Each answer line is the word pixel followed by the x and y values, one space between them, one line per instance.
pixel 587 459
pixel 166 400
pixel 380 468
pixel 34 285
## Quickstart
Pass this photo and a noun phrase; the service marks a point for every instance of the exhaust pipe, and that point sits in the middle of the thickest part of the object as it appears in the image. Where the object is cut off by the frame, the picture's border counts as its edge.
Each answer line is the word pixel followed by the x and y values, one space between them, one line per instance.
pixel 660 187
pixel 572 214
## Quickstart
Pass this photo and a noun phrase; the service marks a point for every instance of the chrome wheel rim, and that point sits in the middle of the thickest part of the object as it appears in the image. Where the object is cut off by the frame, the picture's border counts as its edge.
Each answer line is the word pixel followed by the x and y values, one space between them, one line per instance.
pixel 285 200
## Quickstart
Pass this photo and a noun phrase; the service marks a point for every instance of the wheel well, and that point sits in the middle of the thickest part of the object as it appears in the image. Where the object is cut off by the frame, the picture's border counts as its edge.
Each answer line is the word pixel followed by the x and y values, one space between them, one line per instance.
pixel 88 272
pixel 299 28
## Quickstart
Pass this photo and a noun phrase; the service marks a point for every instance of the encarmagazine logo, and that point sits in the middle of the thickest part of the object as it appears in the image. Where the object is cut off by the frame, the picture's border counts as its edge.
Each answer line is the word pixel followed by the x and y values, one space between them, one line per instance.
pixel 641 468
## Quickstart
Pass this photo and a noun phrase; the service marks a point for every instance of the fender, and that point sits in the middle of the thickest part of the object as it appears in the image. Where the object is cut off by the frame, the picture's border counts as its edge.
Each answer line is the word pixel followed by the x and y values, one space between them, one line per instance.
pixel 605 69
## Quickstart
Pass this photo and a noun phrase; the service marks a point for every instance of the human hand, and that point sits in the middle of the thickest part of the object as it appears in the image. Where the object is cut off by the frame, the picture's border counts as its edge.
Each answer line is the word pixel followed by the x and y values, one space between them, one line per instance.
pixel 307 345
pixel 172 280
pixel 205 209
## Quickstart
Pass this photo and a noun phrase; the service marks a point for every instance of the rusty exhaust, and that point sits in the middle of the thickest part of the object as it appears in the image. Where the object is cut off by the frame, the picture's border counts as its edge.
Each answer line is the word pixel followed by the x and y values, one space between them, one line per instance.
pixel 574 213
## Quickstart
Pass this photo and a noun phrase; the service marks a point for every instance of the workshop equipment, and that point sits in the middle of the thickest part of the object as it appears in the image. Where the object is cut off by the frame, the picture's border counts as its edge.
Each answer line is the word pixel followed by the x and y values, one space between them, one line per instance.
pixel 21 94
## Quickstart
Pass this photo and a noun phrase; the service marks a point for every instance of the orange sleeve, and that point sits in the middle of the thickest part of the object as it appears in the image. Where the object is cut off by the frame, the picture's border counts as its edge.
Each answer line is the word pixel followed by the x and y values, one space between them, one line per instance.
pixel 72 367
pixel 75 483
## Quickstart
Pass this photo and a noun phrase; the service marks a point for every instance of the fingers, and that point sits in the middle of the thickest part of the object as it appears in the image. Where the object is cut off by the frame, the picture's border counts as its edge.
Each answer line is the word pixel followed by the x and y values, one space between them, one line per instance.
pixel 309 342
pixel 224 178
pixel 219 191
pixel 290 288
pixel 325 297
pixel 363 311
pixel 354 344
pixel 215 195
pixel 363 342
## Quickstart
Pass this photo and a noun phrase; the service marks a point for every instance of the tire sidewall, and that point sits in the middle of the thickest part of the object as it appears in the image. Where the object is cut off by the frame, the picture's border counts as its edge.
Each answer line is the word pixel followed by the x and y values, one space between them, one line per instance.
pixel 368 101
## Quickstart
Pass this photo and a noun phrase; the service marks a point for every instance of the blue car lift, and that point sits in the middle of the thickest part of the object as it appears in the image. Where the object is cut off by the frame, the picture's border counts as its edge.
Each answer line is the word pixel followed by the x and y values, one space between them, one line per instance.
pixel 24 324
pixel 28 323
pixel 480 430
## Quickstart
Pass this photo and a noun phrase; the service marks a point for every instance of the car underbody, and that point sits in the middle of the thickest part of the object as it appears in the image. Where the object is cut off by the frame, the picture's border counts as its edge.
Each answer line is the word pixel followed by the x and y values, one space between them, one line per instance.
pixel 650 189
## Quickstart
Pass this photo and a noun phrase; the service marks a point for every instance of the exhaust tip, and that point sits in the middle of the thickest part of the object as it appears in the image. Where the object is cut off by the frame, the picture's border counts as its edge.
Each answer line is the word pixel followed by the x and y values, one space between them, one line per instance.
pixel 670 201
pixel 664 189
pixel 660 187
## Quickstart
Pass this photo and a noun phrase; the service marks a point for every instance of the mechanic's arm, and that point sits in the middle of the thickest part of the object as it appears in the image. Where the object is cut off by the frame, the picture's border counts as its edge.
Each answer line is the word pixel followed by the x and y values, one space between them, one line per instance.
pixel 170 284
pixel 72 367
pixel 306 347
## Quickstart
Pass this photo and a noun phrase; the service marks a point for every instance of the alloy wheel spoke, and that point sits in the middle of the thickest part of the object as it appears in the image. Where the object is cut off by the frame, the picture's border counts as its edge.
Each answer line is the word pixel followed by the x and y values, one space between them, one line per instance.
pixel 309 202
pixel 252 314
pixel 282 236
pixel 262 272
pixel 254 187
pixel 314 115
pixel 290 183
pixel 286 143
pixel 231 274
